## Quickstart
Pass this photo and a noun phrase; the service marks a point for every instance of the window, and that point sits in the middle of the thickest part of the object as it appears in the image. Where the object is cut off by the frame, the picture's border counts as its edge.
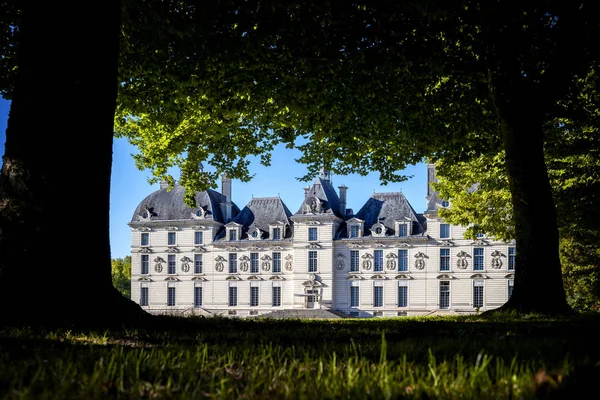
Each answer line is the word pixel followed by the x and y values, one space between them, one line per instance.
pixel 444 259
pixel 378 230
pixel 478 259
pixel 171 239
pixel 233 263
pixel 444 231
pixel 354 296
pixel 254 296
pixel 232 296
pixel 144 296
pixel 198 238
pixel 276 233
pixel 378 261
pixel 444 294
pixel 512 257
pixel 170 296
pixel 480 235
pixel 402 230
pixel 511 285
pixel 171 264
pixel 145 264
pixel 277 262
pixel 354 231
pixel 354 261
pixel 402 260
pixel 276 296
pixel 445 203
pixel 232 234
pixel 402 294
pixel 198 296
pixel 145 239
pixel 254 263
pixel 477 294
pixel 312 234
pixel 197 263
pixel 378 296
pixel 312 261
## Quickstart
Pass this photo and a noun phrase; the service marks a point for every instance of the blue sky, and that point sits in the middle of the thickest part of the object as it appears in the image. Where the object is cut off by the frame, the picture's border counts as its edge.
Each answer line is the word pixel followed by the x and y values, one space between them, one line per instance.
pixel 129 186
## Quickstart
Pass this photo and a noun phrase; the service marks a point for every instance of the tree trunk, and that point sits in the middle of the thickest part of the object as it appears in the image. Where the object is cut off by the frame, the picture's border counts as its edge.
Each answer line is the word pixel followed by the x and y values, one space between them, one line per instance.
pixel 55 180
pixel 538 285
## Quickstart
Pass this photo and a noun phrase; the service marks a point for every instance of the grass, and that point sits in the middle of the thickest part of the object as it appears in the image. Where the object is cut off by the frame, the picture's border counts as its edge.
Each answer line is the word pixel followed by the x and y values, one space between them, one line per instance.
pixel 450 357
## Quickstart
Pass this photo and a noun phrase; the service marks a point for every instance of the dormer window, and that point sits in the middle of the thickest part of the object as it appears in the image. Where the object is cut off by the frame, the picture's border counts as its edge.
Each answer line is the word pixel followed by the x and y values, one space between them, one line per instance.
pixel 312 234
pixel 232 234
pixel 171 239
pixel 276 233
pixel 378 230
pixel 445 203
pixel 353 233
pixel 402 230
pixel 355 227
pixel 145 239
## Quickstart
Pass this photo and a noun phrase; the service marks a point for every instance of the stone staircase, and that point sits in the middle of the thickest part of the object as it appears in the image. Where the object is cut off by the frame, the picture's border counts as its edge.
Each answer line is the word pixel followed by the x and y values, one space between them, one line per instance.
pixel 303 314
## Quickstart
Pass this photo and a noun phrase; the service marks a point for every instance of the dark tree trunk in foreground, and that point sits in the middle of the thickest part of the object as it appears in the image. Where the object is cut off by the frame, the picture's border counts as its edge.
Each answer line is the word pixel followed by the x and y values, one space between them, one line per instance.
pixel 55 181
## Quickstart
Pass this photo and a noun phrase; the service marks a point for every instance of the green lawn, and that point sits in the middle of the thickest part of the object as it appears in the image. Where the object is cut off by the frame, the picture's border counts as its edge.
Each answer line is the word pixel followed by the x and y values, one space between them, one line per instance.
pixel 461 357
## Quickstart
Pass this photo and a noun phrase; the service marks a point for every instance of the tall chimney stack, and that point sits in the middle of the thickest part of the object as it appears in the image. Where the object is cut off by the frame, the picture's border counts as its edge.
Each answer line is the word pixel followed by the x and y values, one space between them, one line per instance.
pixel 343 190
pixel 226 192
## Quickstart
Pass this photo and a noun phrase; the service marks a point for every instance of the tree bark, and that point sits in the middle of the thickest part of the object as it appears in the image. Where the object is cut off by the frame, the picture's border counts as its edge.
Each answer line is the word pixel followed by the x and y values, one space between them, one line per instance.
pixel 55 179
pixel 538 285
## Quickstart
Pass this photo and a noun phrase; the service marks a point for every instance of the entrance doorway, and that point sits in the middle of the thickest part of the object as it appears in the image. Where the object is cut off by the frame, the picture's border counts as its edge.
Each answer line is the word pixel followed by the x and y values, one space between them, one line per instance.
pixel 312 298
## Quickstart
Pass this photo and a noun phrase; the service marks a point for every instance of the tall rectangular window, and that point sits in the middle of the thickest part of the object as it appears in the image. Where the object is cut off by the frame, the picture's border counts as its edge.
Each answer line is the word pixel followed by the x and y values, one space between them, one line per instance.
pixel 254 296
pixel 198 237
pixel 477 294
pixel 233 296
pixel 354 231
pixel 354 261
pixel 403 260
pixel 378 260
pixel 444 259
pixel 276 233
pixel 402 294
pixel 354 296
pixel 145 264
pixel 171 239
pixel 144 296
pixel 233 263
pixel 145 239
pixel 197 263
pixel 478 259
pixel 232 234
pixel 378 296
pixel 171 264
pixel 444 231
pixel 312 261
pixel 170 296
pixel 277 262
pixel 444 294
pixel 511 285
pixel 276 296
pixel 312 234
pixel 402 230
pixel 254 263
pixel 198 296
pixel 512 257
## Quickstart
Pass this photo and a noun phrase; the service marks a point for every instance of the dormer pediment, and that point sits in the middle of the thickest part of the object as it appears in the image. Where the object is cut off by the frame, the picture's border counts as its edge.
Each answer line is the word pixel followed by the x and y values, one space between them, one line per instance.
pixel 233 224
pixel 355 220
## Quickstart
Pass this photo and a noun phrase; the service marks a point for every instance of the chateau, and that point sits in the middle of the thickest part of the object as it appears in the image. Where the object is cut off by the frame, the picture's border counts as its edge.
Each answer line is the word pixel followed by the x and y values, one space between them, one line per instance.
pixel 384 260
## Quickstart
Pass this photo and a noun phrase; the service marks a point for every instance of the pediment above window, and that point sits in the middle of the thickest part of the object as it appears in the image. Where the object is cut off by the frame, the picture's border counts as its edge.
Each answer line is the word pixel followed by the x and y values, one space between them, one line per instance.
pixel 479 276
pixel 254 278
pixel 233 278
pixel 380 245
pixel 199 278
pixel 232 249
pixel 171 228
pixel 404 244
pixel 254 248
pixel 355 246
pixel 378 276
pixel 479 242
pixel 314 246
pixel 445 243
pixel 145 279
pixel 444 276
pixel 171 279
pixel 313 223
pixel 354 277
pixel 199 249
pixel 232 224
pixel 403 277
pixel 145 250
pixel 277 278
pixel 144 229
pixel 355 220
pixel 172 250
pixel 198 227
pixel 510 276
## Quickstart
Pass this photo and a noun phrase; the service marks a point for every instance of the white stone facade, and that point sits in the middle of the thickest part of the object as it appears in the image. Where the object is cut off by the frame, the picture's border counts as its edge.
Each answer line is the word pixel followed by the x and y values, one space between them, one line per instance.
pixel 195 265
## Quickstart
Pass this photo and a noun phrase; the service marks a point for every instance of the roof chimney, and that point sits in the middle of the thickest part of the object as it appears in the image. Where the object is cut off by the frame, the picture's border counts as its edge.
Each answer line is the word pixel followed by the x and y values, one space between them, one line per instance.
pixel 343 190
pixel 226 192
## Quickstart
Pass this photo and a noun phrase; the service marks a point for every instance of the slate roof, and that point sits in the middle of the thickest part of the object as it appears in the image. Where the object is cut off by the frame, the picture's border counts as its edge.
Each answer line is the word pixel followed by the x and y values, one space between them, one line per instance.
pixel 324 190
pixel 166 205
pixel 388 208
pixel 261 212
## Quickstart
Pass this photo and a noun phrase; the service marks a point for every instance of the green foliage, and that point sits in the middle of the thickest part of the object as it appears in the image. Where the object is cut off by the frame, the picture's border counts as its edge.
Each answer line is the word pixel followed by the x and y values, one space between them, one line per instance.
pixel 461 357
pixel 121 275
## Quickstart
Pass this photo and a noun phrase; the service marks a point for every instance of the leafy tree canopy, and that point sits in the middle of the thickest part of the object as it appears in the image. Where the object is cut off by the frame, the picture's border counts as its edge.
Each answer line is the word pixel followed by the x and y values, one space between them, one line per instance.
pixel 121 275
